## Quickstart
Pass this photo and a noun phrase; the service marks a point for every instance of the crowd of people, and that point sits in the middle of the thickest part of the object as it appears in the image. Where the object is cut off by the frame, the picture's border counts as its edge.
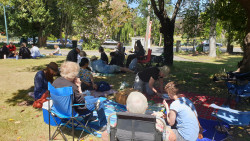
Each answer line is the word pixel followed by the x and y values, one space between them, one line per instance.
pixel 76 71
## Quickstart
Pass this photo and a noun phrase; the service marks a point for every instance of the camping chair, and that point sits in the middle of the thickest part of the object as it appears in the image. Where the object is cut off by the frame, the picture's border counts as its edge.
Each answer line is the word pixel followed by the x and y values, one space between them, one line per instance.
pixel 230 116
pixel 145 59
pixel 132 126
pixel 63 108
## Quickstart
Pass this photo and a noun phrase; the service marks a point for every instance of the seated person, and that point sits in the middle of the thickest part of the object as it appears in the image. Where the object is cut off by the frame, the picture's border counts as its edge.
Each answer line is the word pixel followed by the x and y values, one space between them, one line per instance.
pixel 144 80
pixel 24 52
pixel 86 76
pixel 69 71
pixel 4 51
pixel 137 103
pixel 101 67
pixel 35 51
pixel 139 51
pixel 104 56
pixel 12 49
pixel 117 57
pixel 183 112
pixel 73 54
pixel 42 78
pixel 57 51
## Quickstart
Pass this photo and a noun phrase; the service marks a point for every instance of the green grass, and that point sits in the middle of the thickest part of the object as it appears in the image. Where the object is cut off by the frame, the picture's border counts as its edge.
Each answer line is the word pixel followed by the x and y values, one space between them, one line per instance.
pixel 26 123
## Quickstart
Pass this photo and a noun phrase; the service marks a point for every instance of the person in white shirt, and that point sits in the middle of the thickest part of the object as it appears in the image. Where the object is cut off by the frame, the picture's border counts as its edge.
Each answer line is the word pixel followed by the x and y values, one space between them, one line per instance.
pixel 35 51
pixel 57 51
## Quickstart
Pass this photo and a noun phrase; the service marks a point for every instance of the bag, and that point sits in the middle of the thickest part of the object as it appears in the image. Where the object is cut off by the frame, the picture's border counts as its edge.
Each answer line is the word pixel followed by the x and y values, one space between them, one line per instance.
pixel 121 96
pixel 103 86
pixel 39 103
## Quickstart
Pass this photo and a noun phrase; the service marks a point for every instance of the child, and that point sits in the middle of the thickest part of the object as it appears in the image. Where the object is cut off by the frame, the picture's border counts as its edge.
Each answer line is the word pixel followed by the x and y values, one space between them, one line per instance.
pixel 104 56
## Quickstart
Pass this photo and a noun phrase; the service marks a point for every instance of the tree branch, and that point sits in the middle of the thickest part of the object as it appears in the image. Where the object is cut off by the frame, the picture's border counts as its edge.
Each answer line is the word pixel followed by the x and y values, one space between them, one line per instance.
pixel 156 11
pixel 161 5
pixel 177 7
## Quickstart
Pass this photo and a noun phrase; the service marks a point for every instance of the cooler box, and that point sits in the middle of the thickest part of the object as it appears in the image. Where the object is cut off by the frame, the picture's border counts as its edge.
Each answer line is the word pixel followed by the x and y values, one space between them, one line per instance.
pixel 46 114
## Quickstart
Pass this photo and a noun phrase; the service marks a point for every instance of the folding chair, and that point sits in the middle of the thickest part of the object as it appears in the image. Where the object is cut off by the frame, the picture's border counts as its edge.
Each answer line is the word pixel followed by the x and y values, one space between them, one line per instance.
pixel 145 59
pixel 139 127
pixel 63 108
pixel 230 116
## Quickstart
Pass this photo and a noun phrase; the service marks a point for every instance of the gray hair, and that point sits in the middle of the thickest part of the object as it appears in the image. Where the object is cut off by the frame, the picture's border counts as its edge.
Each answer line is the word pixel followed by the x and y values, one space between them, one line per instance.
pixel 69 70
pixel 137 103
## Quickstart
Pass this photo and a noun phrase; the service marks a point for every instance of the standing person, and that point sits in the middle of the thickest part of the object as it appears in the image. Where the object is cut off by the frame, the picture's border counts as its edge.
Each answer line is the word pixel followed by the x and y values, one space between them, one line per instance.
pixel 42 78
pixel 57 50
pixel 69 71
pixel 139 51
pixel 86 76
pixel 24 52
pixel 183 112
pixel 144 80
pixel 73 54
pixel 12 49
pixel 104 56
pixel 35 51
pixel 5 51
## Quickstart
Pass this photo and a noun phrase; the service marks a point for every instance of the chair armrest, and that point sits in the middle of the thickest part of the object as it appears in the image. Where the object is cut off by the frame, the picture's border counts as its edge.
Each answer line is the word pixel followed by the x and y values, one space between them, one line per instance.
pixel 78 104
pixel 224 108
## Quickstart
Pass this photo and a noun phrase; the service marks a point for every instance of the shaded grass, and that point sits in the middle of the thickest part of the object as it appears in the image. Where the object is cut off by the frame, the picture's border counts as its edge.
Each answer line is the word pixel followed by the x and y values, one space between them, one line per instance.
pixel 26 123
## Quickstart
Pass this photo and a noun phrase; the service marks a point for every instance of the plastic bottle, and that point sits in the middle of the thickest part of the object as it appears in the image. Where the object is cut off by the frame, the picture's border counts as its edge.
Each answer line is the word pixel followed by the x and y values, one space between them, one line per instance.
pixel 17 57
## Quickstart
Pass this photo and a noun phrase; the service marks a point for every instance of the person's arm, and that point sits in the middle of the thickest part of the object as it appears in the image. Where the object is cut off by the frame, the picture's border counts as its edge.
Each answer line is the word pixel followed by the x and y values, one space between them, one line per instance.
pixel 151 85
pixel 77 81
pixel 38 88
pixel 161 85
pixel 92 81
pixel 171 114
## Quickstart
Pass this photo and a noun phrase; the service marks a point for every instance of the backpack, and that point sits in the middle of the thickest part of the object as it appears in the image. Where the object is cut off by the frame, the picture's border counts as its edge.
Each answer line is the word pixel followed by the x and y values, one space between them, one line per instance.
pixel 26 53
pixel 103 86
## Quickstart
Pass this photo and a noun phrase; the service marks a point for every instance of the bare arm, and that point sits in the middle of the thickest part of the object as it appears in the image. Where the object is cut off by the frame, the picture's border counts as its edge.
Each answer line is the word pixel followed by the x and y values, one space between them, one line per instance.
pixel 151 84
pixel 171 114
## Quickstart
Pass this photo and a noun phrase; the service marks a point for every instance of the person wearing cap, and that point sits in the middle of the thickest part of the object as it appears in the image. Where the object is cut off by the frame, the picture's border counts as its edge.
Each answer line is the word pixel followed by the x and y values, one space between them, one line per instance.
pixel 144 80
pixel 42 78
pixel 73 54
pixel 101 67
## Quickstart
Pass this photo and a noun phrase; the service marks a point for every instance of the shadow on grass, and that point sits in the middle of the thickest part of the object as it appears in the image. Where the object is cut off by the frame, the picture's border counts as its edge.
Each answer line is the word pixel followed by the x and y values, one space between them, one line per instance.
pixel 21 96
pixel 41 67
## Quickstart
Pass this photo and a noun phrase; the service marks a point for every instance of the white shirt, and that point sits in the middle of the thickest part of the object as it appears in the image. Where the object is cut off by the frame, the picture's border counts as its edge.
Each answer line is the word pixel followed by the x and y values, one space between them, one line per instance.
pixel 35 51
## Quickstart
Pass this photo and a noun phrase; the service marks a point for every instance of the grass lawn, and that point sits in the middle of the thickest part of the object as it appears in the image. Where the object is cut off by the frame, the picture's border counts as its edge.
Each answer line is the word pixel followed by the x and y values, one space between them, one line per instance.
pixel 26 123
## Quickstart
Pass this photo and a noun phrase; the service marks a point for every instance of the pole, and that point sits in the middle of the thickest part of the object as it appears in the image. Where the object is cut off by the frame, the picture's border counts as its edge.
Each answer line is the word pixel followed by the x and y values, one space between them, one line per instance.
pixel 6 28
pixel 147 31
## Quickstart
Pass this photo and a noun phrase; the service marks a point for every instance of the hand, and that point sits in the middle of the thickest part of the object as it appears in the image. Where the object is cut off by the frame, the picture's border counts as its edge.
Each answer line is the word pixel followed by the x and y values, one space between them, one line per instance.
pixel 165 104
pixel 95 86
pixel 77 81
pixel 158 114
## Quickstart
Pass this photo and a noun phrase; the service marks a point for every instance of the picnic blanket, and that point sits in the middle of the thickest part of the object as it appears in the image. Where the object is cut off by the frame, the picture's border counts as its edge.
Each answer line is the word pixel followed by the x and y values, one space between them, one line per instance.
pixel 103 94
pixel 111 107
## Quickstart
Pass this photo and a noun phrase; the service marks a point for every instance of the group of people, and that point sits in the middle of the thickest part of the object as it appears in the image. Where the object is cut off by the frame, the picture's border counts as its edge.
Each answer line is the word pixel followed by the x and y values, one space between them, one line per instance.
pixel 76 71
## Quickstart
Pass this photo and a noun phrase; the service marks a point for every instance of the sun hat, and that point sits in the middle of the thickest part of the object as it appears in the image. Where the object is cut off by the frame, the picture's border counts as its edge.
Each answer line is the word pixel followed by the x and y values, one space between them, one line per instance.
pixel 165 70
pixel 53 66
pixel 93 58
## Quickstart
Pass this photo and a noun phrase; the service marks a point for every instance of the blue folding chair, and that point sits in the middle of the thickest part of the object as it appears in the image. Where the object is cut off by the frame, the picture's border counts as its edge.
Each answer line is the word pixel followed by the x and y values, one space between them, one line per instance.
pixel 63 108
pixel 231 116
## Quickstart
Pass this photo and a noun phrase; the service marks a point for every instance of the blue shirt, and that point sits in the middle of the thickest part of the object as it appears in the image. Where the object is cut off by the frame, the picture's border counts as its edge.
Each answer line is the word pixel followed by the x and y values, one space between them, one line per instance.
pixel 187 124
pixel 41 85
pixel 100 66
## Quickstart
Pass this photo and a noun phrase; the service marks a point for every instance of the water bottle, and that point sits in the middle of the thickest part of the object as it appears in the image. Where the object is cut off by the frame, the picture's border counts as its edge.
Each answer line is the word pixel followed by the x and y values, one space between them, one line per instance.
pixel 16 57
pixel 4 56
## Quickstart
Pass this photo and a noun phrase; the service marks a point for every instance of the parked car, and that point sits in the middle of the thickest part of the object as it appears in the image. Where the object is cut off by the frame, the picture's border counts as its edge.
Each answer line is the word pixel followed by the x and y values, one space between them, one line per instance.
pixel 81 41
pixel 59 40
pixel 110 42
pixel 30 40
pixel 205 47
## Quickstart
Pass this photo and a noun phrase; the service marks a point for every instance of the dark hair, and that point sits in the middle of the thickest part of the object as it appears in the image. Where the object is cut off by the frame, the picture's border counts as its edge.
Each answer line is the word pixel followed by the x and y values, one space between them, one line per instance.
pixel 83 62
pixel 101 49
pixel 139 45
pixel 112 53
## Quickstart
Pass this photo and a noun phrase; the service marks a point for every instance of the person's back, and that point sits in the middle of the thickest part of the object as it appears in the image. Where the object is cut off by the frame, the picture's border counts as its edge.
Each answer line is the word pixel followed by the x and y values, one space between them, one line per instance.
pixel 73 54
pixel 35 52
pixel 24 53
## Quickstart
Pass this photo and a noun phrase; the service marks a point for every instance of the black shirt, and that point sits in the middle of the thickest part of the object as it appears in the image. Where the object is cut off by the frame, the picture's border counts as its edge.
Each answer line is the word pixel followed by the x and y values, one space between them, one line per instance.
pixel 104 57
pixel 72 55
pixel 149 72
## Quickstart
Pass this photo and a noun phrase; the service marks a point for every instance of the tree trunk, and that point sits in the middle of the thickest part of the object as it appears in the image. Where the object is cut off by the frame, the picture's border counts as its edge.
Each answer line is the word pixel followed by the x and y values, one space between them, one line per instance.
pixel 212 36
pixel 41 38
pixel 244 64
pixel 229 46
pixel 168 33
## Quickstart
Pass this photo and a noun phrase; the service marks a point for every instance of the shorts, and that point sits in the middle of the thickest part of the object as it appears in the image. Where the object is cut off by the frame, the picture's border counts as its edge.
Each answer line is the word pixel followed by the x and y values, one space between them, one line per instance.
pixel 142 86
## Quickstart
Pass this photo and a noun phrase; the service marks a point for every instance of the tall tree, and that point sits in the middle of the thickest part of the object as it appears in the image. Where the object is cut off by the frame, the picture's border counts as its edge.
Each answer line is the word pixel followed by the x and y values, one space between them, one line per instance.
pixel 212 37
pixel 244 65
